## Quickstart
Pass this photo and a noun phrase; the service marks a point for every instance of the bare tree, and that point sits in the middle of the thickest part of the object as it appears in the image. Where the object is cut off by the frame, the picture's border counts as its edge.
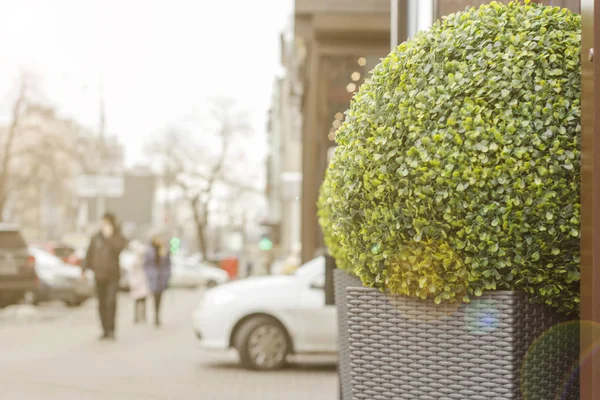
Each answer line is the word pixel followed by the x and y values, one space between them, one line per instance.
pixel 7 148
pixel 198 167
pixel 38 148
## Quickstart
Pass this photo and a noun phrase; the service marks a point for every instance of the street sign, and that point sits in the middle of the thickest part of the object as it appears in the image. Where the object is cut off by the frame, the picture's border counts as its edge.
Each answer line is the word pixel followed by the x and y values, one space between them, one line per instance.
pixel 100 186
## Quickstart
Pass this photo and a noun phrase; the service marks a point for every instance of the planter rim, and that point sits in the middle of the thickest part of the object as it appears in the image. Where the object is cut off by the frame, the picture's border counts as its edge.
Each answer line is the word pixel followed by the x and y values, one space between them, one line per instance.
pixel 485 296
pixel 368 289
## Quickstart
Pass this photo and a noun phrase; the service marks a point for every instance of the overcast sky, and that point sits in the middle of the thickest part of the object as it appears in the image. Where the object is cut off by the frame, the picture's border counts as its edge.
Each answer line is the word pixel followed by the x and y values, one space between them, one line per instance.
pixel 157 60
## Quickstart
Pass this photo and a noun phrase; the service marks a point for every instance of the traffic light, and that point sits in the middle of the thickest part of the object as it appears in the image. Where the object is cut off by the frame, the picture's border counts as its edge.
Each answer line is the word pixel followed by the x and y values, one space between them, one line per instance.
pixel 175 245
pixel 265 244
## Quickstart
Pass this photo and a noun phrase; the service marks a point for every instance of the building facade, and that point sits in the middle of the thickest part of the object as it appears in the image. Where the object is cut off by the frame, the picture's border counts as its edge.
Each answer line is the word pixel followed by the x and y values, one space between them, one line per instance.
pixel 343 41
pixel 284 169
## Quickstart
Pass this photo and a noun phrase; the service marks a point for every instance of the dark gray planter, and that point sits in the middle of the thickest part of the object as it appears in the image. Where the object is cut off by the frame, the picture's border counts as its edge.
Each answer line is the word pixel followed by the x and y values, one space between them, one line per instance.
pixel 497 347
pixel 342 281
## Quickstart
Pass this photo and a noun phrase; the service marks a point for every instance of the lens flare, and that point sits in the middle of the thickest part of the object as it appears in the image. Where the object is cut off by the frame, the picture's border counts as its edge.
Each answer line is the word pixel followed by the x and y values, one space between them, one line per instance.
pixel 482 316
pixel 556 352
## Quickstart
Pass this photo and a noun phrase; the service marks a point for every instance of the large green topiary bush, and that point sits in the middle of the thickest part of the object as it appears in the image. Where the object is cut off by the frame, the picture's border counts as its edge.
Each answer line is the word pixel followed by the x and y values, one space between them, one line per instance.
pixel 457 168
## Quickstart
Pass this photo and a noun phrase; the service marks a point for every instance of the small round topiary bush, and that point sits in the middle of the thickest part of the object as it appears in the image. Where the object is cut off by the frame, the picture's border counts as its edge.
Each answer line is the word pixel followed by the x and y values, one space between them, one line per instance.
pixel 457 168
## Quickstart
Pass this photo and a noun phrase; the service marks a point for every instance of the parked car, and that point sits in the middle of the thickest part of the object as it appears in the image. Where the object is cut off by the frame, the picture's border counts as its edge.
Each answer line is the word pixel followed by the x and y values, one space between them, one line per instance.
pixel 195 257
pixel 268 318
pixel 17 271
pixel 62 251
pixel 186 273
pixel 59 280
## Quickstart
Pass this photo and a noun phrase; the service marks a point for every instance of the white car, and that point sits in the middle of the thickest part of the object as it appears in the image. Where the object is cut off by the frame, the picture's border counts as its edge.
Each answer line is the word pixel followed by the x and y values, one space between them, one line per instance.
pixel 191 274
pixel 268 318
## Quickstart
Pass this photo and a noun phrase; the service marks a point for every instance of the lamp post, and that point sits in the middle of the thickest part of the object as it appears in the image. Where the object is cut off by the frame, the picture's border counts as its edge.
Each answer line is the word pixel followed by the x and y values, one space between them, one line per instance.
pixel 101 200
pixel 65 76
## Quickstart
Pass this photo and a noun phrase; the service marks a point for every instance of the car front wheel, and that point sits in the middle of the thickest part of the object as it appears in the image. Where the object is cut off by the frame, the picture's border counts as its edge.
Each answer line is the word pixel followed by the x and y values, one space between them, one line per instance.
pixel 262 344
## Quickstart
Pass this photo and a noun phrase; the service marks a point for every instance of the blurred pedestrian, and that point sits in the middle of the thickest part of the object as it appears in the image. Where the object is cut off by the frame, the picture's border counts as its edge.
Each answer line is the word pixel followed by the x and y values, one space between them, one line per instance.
pixel 103 258
pixel 138 282
pixel 157 264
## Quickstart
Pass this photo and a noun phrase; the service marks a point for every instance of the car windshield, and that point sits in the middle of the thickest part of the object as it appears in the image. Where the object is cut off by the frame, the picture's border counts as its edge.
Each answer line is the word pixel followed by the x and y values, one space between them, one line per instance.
pixel 311 268
pixel 63 252
pixel 11 240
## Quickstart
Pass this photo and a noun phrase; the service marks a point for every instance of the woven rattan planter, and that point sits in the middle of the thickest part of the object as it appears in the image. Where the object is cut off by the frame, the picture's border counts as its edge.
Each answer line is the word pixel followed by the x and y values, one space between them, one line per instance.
pixel 343 281
pixel 497 347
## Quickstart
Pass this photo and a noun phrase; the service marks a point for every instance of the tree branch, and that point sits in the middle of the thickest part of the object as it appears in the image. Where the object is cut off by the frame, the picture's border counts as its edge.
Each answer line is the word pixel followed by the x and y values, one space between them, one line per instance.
pixel 197 169
pixel 7 151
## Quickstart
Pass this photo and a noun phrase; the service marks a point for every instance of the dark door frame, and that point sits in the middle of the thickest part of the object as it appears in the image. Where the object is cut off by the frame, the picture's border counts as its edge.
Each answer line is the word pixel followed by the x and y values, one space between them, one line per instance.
pixel 590 201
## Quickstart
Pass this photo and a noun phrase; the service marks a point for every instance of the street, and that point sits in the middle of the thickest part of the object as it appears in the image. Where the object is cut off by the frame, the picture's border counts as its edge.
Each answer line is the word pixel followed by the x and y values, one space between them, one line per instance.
pixel 52 352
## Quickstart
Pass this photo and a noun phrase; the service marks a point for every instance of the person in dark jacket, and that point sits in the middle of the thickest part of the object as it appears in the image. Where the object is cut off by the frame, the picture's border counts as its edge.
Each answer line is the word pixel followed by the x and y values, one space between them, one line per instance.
pixel 103 258
pixel 157 265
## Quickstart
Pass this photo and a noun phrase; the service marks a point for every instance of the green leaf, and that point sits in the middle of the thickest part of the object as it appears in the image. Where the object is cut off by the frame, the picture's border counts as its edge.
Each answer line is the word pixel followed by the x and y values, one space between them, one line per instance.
pixel 574 232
